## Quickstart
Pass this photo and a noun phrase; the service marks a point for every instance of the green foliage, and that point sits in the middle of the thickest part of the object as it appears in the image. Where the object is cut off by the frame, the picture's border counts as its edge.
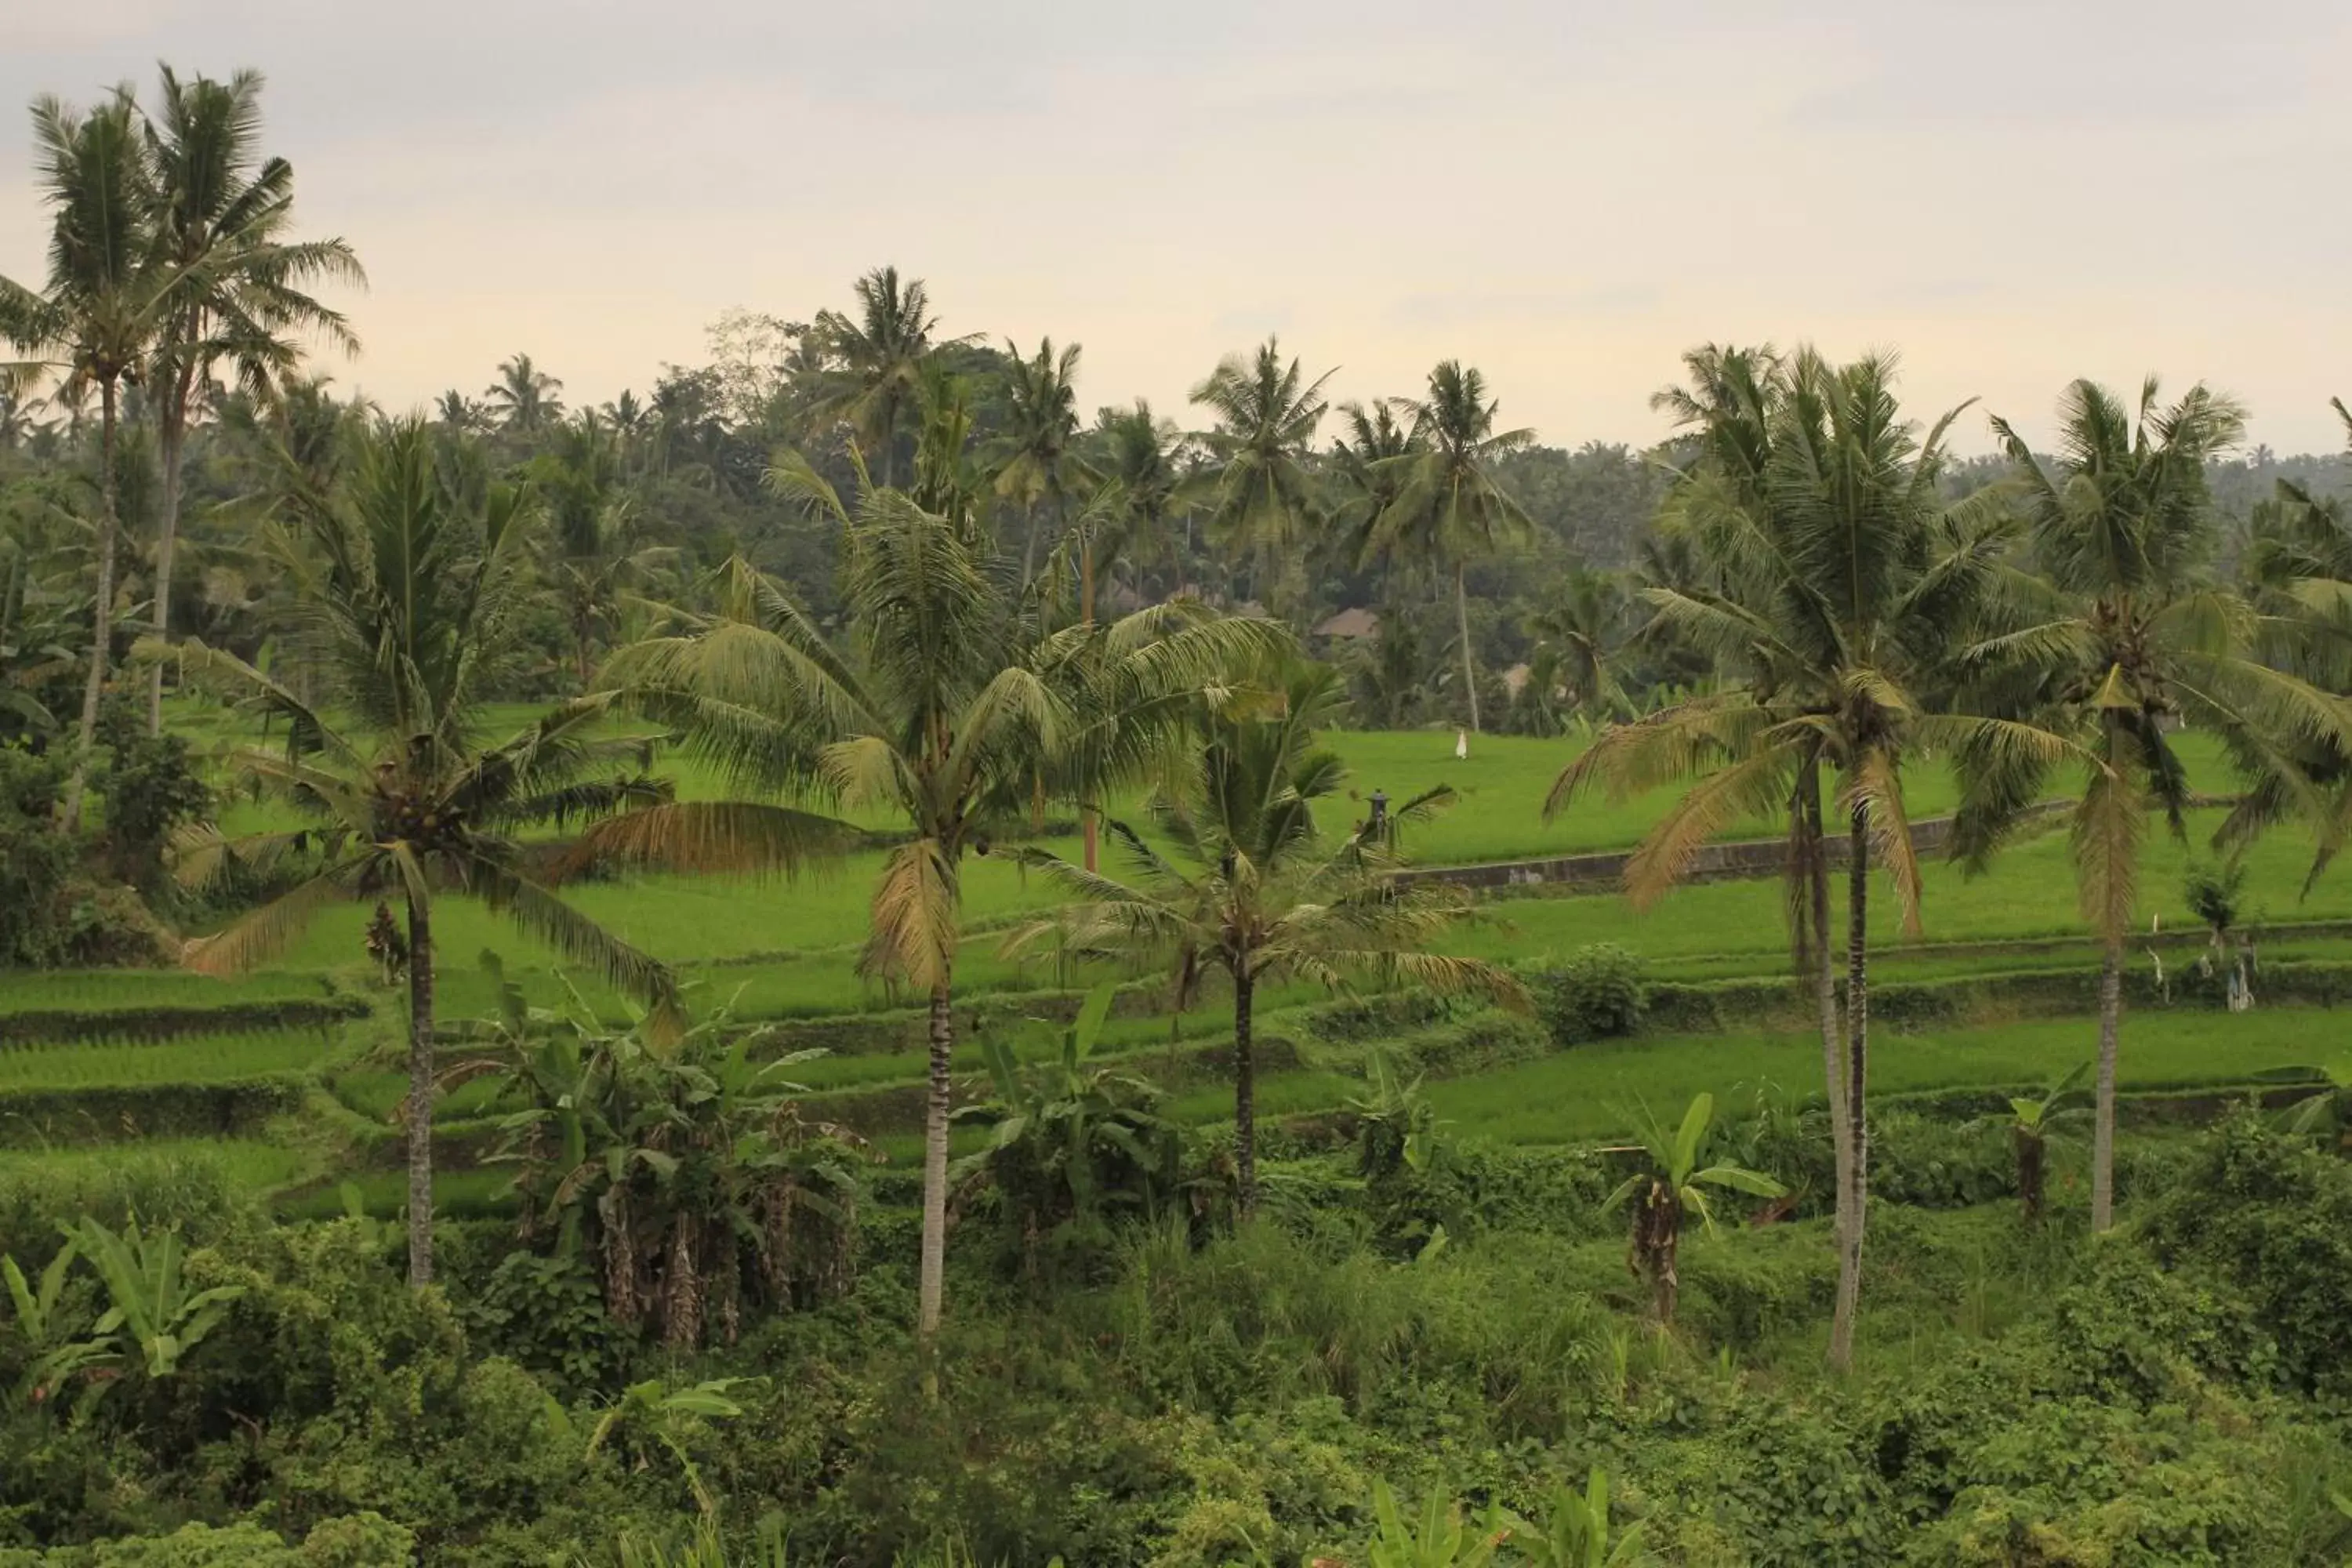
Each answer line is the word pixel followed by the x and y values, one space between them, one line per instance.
pixel 151 787
pixel 684 1169
pixel 2274 1216
pixel 1434 1538
pixel 150 1302
pixel 547 1314
pixel 1075 1147
pixel 1596 993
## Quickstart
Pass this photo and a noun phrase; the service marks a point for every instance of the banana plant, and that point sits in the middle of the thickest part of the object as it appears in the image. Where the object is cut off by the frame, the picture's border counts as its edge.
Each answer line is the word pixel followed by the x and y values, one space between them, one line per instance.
pixel 1672 1188
pixel 2031 1124
pixel 1073 1142
pixel 151 1299
pixel 1575 1532
pixel 41 1317
pixel 1438 1538
pixel 2327 1113
pixel 669 1418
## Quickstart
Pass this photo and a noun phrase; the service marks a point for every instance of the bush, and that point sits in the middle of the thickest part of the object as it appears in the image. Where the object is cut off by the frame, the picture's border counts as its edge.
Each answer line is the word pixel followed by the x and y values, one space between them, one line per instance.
pixel 151 786
pixel 52 914
pixel 2273 1216
pixel 1596 994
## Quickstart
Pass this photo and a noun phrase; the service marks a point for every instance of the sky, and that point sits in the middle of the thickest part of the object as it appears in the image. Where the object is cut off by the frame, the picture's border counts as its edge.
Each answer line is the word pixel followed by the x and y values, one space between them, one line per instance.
pixel 1568 195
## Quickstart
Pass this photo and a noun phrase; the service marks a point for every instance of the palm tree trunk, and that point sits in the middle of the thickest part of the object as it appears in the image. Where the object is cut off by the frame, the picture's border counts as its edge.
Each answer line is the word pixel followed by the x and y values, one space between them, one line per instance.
pixel 1087 830
pixel 1814 949
pixel 102 614
pixel 1469 667
pixel 420 1095
pixel 2102 1123
pixel 1855 1088
pixel 931 1287
pixel 171 438
pixel 1244 1096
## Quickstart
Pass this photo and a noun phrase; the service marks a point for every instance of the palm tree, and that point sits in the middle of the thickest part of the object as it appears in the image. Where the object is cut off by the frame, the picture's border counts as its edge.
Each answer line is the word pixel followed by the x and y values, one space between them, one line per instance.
pixel 945 713
pixel 411 595
pixel 1847 588
pixel 1041 463
pixel 525 399
pixel 1670 1189
pixel 460 415
pixel 221 216
pixel 1137 455
pixel 1449 511
pixel 1579 640
pixel 596 557
pixel 1367 480
pixel 110 293
pixel 1264 496
pixel 1258 893
pixel 878 359
pixel 2137 641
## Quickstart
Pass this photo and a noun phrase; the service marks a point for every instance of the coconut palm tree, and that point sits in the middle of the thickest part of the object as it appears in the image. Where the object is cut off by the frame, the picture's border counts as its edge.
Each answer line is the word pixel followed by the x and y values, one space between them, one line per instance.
pixel 1137 455
pixel 410 594
pixel 1672 1187
pixel 1254 890
pixel 1263 498
pixel 1848 587
pixel 877 361
pixel 1041 463
pixel 1366 479
pixel 221 217
pixel 1580 636
pixel 947 711
pixel 109 294
pixel 2136 641
pixel 524 399
pixel 1449 510
pixel 598 558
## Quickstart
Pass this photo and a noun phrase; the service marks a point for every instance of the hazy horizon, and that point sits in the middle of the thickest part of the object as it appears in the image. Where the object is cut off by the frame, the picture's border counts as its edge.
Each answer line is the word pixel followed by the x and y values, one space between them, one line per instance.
pixel 1567 196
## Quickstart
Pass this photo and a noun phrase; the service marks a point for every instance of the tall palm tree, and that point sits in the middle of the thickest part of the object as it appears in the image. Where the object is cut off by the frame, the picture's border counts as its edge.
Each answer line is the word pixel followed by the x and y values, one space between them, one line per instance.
pixel 1848 589
pixel 945 712
pixel 1254 891
pixel 524 399
pixel 2136 640
pixel 1041 463
pixel 1449 510
pixel 597 559
pixel 109 294
pixel 221 216
pixel 1579 641
pixel 411 595
pixel 1367 479
pixel 460 415
pixel 1263 498
pixel 1137 455
pixel 877 361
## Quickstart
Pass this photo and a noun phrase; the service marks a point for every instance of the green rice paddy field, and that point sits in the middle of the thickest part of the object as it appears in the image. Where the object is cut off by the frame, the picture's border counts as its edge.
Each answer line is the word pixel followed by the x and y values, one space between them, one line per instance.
pixel 773 950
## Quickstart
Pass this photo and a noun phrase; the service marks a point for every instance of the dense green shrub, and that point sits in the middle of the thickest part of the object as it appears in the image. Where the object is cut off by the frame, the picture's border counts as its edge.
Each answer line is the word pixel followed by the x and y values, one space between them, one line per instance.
pixel 150 786
pixel 1596 993
pixel 547 1314
pixel 2274 1216
pixel 53 914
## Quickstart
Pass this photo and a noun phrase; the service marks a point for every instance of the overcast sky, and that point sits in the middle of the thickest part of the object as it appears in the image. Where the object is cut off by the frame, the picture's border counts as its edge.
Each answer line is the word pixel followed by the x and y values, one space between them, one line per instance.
pixel 1566 194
